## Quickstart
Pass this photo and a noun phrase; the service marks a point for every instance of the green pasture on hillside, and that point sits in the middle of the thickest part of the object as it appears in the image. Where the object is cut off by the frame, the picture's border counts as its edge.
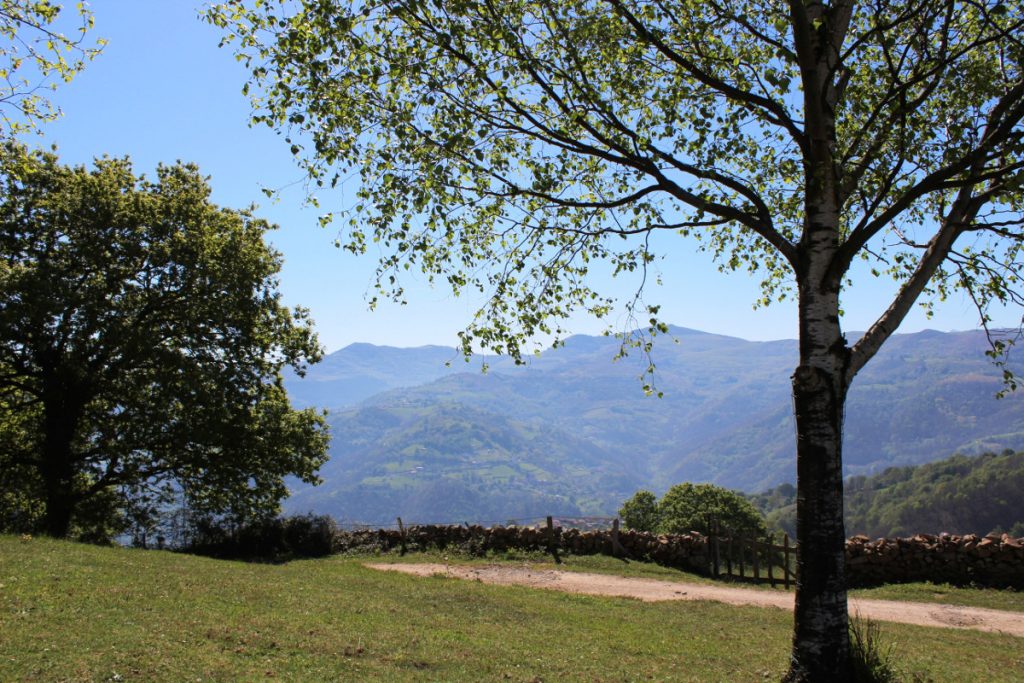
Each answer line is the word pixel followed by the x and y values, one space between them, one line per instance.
pixel 71 612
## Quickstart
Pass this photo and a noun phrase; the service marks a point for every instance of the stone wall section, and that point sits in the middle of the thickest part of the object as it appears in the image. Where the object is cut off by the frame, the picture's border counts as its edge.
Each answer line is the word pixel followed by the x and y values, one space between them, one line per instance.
pixel 993 560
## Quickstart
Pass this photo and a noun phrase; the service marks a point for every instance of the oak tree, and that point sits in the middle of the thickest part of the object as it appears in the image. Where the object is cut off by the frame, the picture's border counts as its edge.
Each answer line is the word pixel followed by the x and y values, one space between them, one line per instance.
pixel 690 507
pixel 509 146
pixel 687 507
pixel 640 512
pixel 142 341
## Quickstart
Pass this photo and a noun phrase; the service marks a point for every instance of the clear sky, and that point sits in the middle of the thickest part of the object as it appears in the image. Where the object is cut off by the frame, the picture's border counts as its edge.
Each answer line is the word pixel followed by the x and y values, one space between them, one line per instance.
pixel 162 91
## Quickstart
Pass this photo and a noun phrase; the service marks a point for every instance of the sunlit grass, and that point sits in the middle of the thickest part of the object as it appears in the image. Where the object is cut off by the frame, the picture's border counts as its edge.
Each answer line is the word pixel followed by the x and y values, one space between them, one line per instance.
pixel 991 598
pixel 82 613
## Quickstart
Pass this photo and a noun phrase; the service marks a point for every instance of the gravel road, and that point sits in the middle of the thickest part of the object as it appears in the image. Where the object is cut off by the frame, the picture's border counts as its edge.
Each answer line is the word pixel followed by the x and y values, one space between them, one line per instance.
pixel 919 613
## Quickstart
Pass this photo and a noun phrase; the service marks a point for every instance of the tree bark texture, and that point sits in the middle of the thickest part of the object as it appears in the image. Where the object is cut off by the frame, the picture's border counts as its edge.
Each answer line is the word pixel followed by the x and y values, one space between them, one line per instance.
pixel 820 633
pixel 58 477
pixel 821 641
pixel 820 636
pixel 62 407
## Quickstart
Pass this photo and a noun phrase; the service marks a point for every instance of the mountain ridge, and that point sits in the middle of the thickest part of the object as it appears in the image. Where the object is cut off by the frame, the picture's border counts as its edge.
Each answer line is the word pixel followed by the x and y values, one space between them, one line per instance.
pixel 725 416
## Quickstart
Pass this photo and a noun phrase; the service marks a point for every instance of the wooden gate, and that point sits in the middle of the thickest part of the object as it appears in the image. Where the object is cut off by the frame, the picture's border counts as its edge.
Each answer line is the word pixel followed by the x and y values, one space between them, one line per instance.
pixel 748 558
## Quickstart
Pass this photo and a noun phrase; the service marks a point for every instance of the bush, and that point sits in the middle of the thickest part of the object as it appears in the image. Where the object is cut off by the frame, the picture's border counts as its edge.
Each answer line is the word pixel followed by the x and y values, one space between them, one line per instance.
pixel 687 507
pixel 640 512
pixel 309 535
pixel 272 538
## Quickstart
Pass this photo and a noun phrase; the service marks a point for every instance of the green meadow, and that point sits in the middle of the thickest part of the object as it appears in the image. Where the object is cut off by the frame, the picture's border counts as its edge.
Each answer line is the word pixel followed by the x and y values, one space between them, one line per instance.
pixel 72 612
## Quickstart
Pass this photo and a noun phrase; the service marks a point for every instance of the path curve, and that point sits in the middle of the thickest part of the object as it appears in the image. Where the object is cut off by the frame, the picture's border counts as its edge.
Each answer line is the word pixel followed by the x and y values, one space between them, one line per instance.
pixel 653 590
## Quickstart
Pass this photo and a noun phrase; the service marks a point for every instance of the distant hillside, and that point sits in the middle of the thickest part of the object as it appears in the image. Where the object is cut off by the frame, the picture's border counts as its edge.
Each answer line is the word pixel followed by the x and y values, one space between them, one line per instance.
pixel 959 495
pixel 346 377
pixel 725 418
pixel 446 462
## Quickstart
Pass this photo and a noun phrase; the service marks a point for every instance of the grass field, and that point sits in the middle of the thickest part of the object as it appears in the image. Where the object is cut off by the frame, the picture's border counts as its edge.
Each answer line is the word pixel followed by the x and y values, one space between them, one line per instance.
pixel 71 612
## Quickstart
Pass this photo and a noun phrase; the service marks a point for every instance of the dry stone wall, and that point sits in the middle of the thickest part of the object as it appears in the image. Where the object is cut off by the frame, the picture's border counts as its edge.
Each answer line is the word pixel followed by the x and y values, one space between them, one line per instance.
pixel 993 560
pixel 960 560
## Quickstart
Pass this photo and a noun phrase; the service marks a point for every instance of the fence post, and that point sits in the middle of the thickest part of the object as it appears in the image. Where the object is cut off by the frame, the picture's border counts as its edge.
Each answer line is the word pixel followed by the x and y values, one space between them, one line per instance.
pixel 757 565
pixel 716 557
pixel 785 559
pixel 771 559
pixel 617 549
pixel 552 547
pixel 401 536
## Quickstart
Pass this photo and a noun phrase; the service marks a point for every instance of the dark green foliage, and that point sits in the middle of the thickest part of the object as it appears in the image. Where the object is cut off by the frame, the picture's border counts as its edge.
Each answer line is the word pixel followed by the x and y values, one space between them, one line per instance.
pixel 20 510
pixel 142 342
pixel 270 539
pixel 958 495
pixel 640 512
pixel 772 499
pixel 689 507
pixel 778 505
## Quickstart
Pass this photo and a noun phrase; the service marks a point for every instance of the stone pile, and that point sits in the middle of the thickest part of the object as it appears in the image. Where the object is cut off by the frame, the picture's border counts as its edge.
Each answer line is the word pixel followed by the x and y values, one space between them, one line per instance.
pixel 993 560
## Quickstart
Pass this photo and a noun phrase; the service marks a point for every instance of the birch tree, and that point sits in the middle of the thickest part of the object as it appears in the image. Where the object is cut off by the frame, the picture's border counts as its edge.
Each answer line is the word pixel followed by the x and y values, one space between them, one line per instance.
pixel 506 147
pixel 37 51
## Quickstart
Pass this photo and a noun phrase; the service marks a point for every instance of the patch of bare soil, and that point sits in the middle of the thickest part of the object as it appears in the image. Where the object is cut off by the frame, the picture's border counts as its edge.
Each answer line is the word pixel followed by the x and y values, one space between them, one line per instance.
pixel 652 590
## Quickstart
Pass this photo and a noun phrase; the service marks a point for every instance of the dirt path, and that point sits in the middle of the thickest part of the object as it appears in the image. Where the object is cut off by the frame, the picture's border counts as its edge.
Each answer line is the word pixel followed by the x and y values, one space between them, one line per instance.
pixel 651 590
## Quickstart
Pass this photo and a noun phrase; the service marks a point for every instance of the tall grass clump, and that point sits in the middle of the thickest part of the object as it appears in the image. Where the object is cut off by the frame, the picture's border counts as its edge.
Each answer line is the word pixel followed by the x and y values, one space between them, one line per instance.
pixel 872 657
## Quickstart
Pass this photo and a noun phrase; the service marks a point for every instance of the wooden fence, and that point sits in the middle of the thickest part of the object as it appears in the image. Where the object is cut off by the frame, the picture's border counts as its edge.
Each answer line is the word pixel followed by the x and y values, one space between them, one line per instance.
pixel 749 558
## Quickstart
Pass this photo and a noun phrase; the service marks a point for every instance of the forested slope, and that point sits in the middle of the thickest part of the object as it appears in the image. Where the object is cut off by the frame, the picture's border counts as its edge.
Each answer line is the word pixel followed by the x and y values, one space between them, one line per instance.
pixel 958 495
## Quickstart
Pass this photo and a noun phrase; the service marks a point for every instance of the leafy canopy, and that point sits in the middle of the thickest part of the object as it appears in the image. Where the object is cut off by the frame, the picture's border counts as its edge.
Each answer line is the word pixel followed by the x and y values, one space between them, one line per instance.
pixel 36 53
pixel 689 507
pixel 142 341
pixel 640 512
pixel 507 147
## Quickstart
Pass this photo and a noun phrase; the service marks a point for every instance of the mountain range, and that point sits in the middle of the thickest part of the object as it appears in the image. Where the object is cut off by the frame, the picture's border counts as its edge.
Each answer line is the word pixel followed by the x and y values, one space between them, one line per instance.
pixel 419 434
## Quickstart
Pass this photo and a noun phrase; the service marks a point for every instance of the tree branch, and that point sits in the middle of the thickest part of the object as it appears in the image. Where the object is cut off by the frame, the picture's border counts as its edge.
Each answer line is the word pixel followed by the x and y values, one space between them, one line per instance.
pixel 961 215
pixel 772 111
pixel 1005 115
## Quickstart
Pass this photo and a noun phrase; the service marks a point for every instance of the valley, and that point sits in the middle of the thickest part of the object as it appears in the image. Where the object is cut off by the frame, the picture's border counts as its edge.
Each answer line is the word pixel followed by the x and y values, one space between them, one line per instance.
pixel 420 434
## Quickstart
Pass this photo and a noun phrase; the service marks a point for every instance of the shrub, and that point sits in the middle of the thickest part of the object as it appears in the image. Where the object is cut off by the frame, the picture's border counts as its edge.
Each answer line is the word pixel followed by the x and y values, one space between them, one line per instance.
pixel 271 538
pixel 309 535
pixel 687 507
pixel 640 512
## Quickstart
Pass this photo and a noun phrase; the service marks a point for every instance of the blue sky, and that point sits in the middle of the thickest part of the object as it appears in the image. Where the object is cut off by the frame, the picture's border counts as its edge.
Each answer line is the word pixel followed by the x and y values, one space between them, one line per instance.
pixel 162 91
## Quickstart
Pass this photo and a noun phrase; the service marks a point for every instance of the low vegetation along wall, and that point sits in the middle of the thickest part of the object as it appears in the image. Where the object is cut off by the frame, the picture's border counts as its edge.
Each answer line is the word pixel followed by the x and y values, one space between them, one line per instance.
pixel 960 560
pixel 687 552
